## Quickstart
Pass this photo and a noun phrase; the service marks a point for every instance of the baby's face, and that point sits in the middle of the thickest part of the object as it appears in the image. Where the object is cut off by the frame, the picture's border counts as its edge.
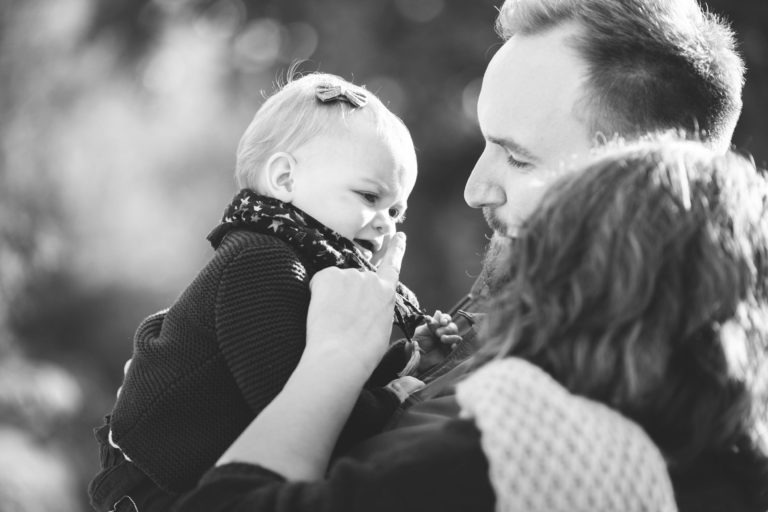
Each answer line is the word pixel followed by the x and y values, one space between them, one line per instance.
pixel 356 183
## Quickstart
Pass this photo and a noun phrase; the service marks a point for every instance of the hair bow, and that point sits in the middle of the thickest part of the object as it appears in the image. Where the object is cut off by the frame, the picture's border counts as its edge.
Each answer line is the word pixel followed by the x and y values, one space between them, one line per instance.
pixel 327 93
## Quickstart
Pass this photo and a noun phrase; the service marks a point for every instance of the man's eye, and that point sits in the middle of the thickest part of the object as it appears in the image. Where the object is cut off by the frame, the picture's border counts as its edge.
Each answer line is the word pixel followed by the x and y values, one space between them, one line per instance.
pixel 514 162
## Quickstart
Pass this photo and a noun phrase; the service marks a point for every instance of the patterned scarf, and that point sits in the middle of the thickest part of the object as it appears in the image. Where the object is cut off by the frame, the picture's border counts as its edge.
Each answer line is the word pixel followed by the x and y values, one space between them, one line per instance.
pixel 319 244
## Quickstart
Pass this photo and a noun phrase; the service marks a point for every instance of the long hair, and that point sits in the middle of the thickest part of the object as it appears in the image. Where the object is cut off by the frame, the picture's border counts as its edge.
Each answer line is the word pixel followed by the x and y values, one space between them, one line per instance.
pixel 642 282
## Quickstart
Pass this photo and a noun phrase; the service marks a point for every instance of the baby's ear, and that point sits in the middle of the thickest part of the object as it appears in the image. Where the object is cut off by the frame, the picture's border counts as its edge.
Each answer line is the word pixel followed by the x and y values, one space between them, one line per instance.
pixel 278 176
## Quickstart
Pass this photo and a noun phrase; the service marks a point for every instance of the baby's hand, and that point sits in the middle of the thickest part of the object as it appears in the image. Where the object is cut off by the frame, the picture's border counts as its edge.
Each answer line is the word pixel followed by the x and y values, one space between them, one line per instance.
pixel 441 327
pixel 436 337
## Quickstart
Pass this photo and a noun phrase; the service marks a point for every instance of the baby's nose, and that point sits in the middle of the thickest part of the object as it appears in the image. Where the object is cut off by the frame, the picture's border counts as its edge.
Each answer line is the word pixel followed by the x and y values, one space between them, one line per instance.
pixel 383 223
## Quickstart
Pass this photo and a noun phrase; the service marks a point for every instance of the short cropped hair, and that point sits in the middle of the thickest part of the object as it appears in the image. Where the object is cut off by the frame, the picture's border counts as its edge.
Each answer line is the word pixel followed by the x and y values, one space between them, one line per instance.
pixel 642 282
pixel 653 65
pixel 293 115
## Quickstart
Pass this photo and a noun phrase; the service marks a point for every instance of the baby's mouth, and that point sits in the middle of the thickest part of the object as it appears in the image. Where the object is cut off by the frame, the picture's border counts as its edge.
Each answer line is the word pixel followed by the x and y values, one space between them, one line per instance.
pixel 368 247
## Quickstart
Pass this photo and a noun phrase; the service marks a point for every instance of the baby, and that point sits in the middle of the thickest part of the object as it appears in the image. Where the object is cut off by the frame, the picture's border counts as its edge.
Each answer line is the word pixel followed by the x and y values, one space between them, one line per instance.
pixel 325 171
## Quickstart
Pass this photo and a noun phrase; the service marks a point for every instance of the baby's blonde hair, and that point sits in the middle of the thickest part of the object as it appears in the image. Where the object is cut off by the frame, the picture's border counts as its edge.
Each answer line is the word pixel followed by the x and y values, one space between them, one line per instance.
pixel 293 115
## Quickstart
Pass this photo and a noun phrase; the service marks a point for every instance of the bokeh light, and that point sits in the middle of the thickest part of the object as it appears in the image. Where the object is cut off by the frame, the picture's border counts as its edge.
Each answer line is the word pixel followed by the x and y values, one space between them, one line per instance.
pixel 119 121
pixel 420 11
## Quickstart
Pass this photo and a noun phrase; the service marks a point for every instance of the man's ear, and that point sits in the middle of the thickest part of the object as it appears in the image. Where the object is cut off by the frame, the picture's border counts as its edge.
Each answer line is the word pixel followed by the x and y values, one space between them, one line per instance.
pixel 278 176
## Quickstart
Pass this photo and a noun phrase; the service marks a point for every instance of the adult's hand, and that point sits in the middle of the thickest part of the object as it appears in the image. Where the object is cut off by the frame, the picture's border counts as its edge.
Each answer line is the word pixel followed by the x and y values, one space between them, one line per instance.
pixel 348 325
pixel 350 311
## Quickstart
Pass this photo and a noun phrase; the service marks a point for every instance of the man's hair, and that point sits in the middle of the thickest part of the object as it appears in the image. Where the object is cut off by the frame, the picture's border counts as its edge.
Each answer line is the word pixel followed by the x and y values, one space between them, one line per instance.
pixel 642 282
pixel 293 115
pixel 653 64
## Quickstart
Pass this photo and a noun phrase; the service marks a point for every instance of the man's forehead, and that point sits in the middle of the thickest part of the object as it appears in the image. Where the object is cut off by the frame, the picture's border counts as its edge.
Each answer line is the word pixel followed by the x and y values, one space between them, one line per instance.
pixel 532 87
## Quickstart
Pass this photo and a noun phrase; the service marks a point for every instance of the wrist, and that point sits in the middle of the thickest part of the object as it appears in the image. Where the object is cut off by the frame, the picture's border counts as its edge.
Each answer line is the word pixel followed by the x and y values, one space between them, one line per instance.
pixel 340 366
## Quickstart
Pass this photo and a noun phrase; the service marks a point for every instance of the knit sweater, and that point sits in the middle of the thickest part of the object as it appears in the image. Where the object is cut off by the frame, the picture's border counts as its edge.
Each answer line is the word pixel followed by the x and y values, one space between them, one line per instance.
pixel 433 461
pixel 203 369
pixel 546 450
pixel 551 451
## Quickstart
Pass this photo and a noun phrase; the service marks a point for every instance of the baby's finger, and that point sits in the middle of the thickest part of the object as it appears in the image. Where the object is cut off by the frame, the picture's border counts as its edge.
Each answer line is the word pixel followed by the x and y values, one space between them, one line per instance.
pixel 451 328
pixel 450 339
pixel 430 321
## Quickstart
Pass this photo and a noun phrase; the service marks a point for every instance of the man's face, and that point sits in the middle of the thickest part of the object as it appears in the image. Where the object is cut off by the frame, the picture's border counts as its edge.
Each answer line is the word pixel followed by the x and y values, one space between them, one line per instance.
pixel 532 126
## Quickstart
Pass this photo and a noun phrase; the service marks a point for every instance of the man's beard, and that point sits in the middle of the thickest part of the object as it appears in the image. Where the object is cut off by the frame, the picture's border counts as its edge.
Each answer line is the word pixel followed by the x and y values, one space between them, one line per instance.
pixel 498 227
pixel 497 262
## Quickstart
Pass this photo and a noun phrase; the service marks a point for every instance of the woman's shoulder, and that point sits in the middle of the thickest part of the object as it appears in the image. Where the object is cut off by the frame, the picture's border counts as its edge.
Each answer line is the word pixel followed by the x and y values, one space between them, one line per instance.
pixel 537 435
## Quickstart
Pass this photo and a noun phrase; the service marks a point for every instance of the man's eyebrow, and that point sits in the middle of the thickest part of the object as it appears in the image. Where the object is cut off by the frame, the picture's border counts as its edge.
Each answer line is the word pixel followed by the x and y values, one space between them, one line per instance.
pixel 514 147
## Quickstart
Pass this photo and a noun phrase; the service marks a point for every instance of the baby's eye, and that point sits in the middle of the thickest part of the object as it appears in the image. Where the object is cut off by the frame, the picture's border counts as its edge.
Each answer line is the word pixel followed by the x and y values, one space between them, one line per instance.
pixel 369 197
pixel 397 214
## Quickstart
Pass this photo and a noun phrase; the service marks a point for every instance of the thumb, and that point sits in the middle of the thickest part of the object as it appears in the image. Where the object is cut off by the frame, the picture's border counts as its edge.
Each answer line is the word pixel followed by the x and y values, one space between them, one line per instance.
pixel 389 267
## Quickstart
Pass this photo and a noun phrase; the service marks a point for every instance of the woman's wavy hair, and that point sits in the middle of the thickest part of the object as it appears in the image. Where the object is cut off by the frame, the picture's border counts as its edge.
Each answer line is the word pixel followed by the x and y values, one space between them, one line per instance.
pixel 642 282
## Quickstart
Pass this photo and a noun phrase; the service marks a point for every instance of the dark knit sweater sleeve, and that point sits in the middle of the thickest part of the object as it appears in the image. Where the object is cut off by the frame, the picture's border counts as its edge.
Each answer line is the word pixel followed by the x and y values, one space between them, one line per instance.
pixel 426 469
pixel 205 368
pixel 260 319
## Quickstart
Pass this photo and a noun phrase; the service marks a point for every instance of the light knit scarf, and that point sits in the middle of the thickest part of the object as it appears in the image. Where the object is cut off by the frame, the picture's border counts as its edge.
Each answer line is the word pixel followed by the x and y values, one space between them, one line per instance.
pixel 551 451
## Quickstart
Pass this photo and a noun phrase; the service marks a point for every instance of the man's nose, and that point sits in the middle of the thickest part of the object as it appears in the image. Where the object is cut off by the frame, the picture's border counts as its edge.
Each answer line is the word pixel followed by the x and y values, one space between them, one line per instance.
pixel 483 189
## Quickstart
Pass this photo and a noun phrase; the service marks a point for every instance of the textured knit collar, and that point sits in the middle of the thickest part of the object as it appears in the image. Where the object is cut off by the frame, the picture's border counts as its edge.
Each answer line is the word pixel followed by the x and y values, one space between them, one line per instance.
pixel 316 242
pixel 549 450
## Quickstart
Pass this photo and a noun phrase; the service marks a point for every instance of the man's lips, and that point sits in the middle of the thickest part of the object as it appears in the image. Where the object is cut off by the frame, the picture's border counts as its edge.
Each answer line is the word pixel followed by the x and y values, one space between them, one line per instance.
pixel 500 228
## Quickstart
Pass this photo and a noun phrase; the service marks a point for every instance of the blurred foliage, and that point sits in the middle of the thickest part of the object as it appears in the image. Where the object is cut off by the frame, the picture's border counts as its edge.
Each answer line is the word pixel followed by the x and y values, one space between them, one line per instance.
pixel 119 121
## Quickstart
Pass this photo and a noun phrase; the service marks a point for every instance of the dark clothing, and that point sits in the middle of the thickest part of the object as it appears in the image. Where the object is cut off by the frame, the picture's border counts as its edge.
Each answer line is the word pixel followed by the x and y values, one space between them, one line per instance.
pixel 438 466
pixel 203 369
pixel 120 478
pixel 428 460
pixel 316 244
pixel 466 314
pixel 121 486
pixel 433 462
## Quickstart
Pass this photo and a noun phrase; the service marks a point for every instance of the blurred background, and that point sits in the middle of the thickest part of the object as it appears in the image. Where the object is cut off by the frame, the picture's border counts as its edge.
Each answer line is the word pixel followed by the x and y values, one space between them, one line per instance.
pixel 119 121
